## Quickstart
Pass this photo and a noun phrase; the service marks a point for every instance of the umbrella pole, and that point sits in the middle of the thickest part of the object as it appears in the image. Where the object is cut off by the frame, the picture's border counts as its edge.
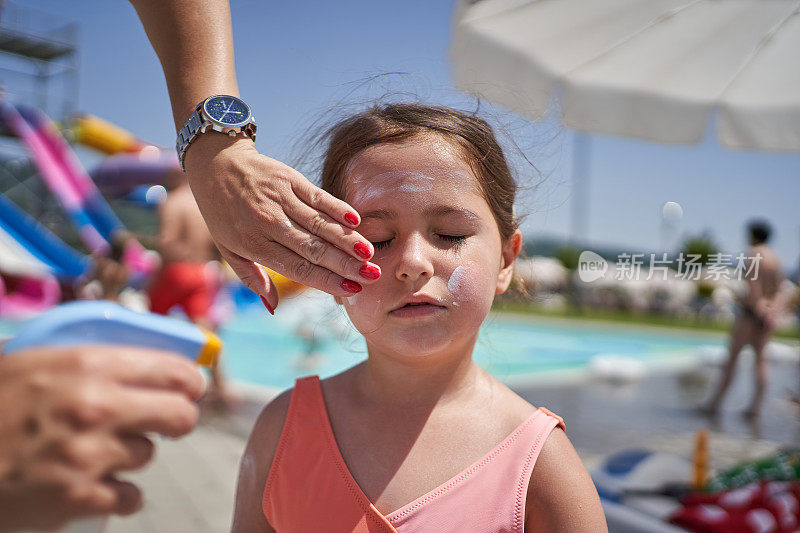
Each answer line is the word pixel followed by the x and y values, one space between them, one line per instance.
pixel 579 215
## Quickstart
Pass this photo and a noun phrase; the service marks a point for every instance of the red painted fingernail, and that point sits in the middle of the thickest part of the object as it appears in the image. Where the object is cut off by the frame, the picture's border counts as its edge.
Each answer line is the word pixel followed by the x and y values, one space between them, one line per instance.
pixel 362 250
pixel 269 308
pixel 370 271
pixel 351 286
pixel 351 218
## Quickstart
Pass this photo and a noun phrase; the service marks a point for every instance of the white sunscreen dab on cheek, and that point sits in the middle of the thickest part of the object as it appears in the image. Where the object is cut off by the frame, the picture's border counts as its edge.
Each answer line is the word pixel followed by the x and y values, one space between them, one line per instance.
pixel 456 284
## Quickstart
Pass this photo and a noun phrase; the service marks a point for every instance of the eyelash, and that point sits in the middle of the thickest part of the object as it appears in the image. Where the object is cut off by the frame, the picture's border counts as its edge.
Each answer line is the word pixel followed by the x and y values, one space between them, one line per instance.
pixel 454 239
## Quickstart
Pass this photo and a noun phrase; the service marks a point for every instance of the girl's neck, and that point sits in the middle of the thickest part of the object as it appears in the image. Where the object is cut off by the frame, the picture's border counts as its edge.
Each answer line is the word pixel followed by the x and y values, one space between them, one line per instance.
pixel 408 382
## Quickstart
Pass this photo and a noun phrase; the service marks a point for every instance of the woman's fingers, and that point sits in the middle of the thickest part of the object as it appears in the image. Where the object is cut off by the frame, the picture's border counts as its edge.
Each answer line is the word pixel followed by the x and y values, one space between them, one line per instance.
pixel 131 412
pixel 253 276
pixel 127 365
pixel 247 199
pixel 326 203
pixel 137 450
pixel 103 451
pixel 321 252
pixel 302 270
pixel 128 497
pixel 323 226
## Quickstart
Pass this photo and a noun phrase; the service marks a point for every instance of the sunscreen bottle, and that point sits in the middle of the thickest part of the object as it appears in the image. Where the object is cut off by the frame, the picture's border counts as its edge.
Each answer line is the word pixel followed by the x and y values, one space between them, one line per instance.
pixel 102 322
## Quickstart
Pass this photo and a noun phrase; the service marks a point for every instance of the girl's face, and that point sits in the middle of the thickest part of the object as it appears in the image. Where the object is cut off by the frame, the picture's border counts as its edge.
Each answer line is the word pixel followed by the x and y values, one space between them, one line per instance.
pixel 437 243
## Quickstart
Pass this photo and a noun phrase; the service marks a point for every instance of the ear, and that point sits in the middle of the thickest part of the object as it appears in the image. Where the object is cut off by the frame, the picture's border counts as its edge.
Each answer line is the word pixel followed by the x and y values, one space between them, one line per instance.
pixel 511 249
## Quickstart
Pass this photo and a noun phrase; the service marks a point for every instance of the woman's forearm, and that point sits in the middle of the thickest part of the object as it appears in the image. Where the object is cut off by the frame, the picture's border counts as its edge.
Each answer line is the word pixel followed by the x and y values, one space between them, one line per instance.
pixel 194 42
pixel 245 197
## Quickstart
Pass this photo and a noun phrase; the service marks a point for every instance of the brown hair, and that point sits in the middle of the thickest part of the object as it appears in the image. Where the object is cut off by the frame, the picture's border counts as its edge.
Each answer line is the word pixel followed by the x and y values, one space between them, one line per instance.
pixel 393 123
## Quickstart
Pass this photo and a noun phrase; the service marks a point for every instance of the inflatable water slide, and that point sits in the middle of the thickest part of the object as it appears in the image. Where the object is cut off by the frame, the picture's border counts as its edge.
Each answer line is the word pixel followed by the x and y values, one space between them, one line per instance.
pixel 33 261
pixel 133 165
pixel 70 183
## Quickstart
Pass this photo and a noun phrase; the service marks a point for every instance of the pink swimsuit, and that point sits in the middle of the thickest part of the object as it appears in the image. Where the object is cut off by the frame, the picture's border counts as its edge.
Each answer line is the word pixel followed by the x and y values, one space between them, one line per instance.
pixel 309 487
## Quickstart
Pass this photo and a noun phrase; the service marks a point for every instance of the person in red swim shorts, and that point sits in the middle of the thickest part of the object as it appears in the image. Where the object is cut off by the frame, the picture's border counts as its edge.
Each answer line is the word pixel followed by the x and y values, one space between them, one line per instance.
pixel 186 279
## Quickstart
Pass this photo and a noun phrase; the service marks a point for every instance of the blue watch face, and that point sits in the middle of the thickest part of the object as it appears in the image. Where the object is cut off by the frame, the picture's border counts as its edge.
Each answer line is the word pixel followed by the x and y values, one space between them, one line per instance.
pixel 227 110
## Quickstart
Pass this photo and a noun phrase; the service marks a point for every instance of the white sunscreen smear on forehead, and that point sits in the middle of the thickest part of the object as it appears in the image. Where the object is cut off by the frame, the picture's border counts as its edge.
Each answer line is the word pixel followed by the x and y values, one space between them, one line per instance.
pixel 367 189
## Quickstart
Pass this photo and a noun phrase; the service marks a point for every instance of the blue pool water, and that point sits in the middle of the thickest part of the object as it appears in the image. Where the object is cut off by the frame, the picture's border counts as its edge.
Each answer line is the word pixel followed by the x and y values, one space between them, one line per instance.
pixel 262 350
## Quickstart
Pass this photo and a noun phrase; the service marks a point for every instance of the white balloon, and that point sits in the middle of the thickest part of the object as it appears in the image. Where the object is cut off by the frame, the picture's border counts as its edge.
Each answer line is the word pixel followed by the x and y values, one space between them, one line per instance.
pixel 155 194
pixel 672 211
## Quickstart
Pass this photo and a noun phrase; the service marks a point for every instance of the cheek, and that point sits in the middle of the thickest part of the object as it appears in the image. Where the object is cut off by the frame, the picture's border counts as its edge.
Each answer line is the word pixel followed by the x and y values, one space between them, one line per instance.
pixel 364 308
pixel 471 285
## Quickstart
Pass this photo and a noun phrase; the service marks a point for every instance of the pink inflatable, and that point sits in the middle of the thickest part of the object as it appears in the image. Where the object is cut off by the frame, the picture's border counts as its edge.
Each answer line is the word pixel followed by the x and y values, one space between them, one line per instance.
pixel 30 296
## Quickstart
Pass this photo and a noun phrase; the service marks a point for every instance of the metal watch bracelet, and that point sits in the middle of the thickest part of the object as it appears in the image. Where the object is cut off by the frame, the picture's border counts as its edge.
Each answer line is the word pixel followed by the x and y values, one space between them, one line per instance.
pixel 194 126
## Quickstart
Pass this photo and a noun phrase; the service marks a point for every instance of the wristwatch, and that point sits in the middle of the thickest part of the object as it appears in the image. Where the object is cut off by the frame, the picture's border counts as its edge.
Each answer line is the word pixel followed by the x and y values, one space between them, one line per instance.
pixel 222 113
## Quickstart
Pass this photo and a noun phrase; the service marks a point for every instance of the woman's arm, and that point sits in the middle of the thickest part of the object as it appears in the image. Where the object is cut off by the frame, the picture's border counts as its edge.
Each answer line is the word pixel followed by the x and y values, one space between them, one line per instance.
pixel 247 199
pixel 248 517
pixel 561 494
pixel 194 42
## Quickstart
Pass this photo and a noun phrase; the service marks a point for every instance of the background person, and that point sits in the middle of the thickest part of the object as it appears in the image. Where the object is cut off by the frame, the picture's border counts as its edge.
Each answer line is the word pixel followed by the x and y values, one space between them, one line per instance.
pixel 756 318
pixel 186 279
pixel 110 274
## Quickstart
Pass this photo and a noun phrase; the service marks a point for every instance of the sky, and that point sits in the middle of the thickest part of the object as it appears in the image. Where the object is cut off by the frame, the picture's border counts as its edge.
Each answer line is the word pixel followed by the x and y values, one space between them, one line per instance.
pixel 301 64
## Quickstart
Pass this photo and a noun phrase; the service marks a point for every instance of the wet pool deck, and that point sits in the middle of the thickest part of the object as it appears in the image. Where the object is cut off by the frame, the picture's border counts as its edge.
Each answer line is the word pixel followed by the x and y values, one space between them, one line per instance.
pixel 191 484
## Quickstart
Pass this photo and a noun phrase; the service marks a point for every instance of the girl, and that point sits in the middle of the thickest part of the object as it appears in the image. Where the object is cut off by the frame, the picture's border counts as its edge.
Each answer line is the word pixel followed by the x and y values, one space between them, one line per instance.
pixel 417 437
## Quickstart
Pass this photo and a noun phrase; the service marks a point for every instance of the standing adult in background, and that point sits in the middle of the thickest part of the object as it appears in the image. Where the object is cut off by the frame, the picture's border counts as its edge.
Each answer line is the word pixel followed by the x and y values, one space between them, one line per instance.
pixel 186 279
pixel 257 209
pixel 756 317
pixel 795 396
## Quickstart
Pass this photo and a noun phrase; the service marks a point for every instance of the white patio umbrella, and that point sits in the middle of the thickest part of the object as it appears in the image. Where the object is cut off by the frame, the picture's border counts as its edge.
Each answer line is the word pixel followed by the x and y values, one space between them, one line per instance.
pixel 649 69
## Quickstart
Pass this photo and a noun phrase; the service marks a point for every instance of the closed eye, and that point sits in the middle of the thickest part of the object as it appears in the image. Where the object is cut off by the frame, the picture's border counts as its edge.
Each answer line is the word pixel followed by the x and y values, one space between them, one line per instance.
pixel 381 244
pixel 452 238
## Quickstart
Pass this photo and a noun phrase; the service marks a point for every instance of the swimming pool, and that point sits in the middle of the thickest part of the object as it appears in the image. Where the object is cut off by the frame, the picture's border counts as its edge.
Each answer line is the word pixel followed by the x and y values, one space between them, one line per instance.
pixel 514 349
pixel 269 351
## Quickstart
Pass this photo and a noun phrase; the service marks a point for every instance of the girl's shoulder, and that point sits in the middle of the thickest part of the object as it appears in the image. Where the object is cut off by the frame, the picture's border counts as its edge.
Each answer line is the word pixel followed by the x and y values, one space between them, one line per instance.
pixel 507 405
pixel 256 463
pixel 561 493
pixel 267 430
pixel 559 483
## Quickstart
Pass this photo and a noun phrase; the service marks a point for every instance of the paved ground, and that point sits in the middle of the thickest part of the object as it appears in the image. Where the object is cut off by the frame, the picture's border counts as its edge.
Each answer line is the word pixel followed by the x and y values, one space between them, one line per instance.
pixel 191 485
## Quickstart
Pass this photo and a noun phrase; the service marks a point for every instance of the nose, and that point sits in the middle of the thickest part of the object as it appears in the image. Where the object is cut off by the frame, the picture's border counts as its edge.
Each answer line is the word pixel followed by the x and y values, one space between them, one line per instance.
pixel 414 262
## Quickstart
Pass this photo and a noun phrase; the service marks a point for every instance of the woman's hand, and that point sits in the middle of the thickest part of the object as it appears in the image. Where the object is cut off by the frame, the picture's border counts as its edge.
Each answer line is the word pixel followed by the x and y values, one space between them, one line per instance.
pixel 262 211
pixel 73 418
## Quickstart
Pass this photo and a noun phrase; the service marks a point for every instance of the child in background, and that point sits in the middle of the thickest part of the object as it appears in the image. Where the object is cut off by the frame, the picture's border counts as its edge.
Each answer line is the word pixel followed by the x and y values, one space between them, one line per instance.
pixel 417 437
pixel 109 274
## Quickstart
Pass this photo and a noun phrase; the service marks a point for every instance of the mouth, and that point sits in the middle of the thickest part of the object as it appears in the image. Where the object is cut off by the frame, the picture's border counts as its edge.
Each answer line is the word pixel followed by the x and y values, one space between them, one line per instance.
pixel 418 307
